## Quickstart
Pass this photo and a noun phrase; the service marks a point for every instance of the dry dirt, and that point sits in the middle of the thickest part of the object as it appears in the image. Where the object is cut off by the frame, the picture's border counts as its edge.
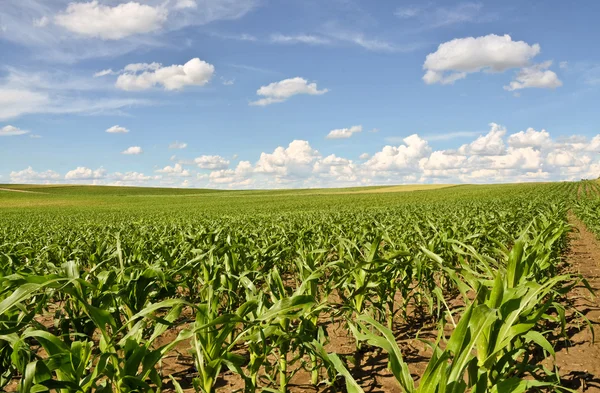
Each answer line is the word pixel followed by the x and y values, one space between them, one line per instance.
pixel 579 364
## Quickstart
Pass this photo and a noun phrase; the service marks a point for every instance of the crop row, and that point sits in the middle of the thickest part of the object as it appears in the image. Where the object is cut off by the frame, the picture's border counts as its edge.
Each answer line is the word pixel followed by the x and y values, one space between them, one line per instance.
pixel 87 299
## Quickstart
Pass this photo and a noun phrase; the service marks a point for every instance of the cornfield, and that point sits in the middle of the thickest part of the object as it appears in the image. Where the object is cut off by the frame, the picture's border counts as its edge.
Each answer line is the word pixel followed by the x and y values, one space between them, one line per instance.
pixel 95 296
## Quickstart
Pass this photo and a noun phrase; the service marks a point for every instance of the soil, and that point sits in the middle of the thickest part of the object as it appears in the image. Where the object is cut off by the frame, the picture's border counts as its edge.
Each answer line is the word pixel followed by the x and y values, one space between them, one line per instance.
pixel 579 364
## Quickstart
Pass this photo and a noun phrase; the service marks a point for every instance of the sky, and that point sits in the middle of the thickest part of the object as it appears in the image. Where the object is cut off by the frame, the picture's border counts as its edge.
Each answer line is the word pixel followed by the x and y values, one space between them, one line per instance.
pixel 298 93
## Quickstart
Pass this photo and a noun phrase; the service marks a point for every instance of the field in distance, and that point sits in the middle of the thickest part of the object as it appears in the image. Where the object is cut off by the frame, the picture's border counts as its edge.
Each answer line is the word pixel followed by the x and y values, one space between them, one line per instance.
pixel 33 195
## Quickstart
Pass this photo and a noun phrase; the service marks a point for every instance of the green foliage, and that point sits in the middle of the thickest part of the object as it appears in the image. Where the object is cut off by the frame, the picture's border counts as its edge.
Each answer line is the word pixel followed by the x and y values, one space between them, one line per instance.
pixel 99 285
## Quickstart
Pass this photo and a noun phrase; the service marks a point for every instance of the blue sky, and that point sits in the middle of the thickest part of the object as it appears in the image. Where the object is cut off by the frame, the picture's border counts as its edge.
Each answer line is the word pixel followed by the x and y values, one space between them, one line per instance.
pixel 269 94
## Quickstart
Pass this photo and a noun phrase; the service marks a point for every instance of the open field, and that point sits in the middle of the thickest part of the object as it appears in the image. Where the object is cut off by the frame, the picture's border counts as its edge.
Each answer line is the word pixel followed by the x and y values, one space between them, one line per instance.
pixel 381 289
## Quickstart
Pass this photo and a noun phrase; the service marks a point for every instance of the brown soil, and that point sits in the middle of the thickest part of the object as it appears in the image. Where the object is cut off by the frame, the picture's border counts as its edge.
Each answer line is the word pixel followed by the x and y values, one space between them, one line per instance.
pixel 579 364
pixel 371 372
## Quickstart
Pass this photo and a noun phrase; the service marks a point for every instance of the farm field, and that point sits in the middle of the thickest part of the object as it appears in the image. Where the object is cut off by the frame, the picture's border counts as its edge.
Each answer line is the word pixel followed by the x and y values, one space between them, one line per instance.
pixel 380 289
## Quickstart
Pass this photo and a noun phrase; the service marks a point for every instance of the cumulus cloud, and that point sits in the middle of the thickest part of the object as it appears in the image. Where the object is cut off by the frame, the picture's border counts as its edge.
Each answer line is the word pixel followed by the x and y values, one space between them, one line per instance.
pixel 343 133
pixel 282 90
pixel 133 150
pixel 439 160
pixel 529 138
pixel 538 76
pixel 130 178
pixel 30 176
pixel 297 159
pixel 93 19
pixel 83 173
pixel 178 145
pixel 175 170
pixel 142 76
pixel 211 162
pixel 117 130
pixel 399 158
pixel 486 145
pixel 12 131
pixel 496 156
pixel 240 176
pixel 455 59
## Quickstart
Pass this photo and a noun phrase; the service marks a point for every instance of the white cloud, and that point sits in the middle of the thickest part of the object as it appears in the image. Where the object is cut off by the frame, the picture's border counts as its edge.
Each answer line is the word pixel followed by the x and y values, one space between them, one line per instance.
pixel 178 145
pixel 104 73
pixel 453 60
pixel 130 178
pixel 343 133
pixel 117 130
pixel 175 77
pixel 282 90
pixel 537 76
pixel 401 158
pixel 238 177
pixel 564 65
pixel 83 173
pixel 490 144
pixel 138 67
pixel 89 30
pixel 176 170
pixel 15 102
pixel 300 38
pixel 30 176
pixel 211 162
pixel 133 150
pixel 497 156
pixel 96 20
pixel 594 145
pixel 12 131
pixel 529 138
pixel 183 4
pixel 35 136
pixel 564 158
pixel 439 160
pixel 295 160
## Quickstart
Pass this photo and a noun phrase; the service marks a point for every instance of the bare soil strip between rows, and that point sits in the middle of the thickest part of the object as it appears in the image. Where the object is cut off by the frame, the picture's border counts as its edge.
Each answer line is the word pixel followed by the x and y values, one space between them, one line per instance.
pixel 579 363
